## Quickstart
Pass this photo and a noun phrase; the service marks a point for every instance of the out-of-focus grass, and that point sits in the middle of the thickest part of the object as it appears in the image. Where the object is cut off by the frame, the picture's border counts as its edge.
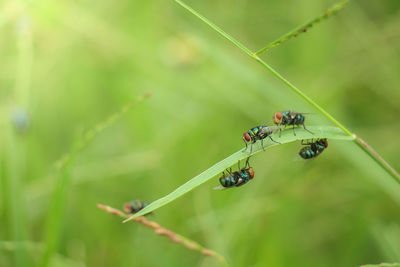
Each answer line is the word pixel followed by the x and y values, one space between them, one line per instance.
pixel 62 177
pixel 89 59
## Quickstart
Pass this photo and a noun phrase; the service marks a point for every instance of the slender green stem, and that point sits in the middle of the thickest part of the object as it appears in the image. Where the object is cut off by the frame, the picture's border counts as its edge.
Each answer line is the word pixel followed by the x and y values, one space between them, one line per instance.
pixel 376 157
pixel 303 28
pixel 56 216
pixel 368 149
pixel 91 134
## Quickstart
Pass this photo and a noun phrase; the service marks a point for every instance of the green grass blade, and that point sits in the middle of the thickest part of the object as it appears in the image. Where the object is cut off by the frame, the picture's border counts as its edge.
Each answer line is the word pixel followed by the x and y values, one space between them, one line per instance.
pixel 287 137
pixel 303 28
pixel 56 216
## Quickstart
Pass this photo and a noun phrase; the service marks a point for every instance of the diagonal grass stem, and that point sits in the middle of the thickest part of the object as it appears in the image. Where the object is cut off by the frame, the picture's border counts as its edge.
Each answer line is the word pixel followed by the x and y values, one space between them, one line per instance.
pixel 368 149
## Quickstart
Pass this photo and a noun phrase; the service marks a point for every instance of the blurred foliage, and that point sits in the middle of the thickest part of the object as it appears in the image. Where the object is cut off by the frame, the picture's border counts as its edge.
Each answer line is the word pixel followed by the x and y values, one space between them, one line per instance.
pixel 68 65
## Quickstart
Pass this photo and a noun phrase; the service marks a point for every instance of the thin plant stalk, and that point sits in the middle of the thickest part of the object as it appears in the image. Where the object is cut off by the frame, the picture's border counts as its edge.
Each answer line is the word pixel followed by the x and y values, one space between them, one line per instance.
pixel 159 230
pixel 91 134
pixel 362 144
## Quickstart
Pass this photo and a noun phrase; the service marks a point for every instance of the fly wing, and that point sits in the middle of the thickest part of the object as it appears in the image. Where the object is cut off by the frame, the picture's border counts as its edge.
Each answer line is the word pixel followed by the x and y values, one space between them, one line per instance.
pixel 269 129
pixel 305 162
pixel 297 158
pixel 307 142
pixel 265 123
pixel 219 187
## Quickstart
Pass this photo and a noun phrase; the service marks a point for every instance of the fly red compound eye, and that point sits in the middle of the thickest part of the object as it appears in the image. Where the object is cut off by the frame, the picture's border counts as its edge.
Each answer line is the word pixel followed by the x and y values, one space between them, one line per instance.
pixel 246 137
pixel 236 178
pixel 251 171
pixel 277 118
pixel 288 117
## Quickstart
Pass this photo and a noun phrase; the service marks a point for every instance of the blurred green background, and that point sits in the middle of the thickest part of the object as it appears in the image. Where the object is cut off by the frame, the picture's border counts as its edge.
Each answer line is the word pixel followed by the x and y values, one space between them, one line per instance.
pixel 68 65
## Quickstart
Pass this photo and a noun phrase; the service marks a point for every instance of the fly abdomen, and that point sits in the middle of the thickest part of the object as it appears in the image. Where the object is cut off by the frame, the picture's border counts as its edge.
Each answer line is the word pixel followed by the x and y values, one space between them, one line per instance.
pixel 299 119
pixel 313 148
pixel 228 181
pixel 307 153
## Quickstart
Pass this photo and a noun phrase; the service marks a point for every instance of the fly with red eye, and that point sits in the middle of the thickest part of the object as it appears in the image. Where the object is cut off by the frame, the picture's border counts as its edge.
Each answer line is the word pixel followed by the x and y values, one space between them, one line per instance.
pixel 245 174
pixel 313 148
pixel 259 133
pixel 237 178
pixel 289 117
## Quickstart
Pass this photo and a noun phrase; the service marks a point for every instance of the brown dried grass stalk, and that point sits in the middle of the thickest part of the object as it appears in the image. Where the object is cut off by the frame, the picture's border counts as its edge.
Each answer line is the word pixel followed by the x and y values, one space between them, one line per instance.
pixel 159 230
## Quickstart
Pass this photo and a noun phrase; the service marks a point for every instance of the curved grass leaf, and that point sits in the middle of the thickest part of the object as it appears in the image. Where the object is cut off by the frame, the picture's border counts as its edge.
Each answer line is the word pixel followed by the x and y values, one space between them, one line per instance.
pixel 287 137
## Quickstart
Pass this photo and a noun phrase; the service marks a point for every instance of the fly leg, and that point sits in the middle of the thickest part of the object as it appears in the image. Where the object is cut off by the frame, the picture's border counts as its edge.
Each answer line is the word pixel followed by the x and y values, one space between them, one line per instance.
pixel 251 146
pixel 304 126
pixel 245 147
pixel 262 144
pixel 294 131
pixel 247 162
pixel 273 140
